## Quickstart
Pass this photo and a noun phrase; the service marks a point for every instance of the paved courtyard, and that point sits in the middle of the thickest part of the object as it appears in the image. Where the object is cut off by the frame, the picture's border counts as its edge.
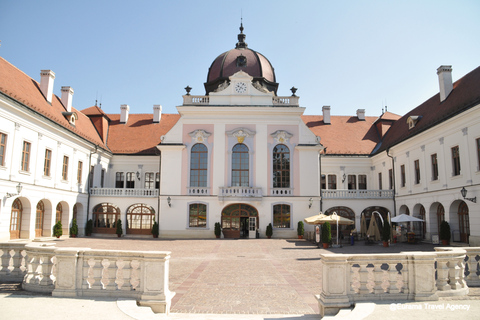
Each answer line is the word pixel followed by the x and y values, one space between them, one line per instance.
pixel 256 276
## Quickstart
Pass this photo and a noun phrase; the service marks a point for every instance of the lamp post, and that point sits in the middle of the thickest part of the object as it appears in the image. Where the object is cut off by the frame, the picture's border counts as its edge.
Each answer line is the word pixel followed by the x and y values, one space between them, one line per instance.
pixel 464 194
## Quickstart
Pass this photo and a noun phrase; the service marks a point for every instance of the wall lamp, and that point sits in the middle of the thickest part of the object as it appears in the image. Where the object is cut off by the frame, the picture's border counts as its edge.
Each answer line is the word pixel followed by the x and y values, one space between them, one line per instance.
pixel 310 202
pixel 464 194
pixel 344 177
pixel 169 202
pixel 19 189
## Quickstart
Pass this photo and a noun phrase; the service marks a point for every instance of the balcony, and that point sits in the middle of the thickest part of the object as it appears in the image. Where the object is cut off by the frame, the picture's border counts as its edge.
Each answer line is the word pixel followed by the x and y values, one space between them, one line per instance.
pixel 198 191
pixel 119 192
pixel 189 100
pixel 357 194
pixel 248 193
pixel 279 192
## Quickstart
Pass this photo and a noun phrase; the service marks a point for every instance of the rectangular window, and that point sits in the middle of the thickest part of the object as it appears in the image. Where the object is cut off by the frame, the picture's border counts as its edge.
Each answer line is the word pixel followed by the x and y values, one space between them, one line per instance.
pixel 362 182
pixel 198 215
pixel 90 176
pixel 380 185
pixel 390 179
pixel 130 180
pixel 402 175
pixel 26 156
pixel 352 182
pixel 119 180
pixel 332 182
pixel 456 161
pixel 3 148
pixel 79 172
pixel 416 165
pixel 281 216
pixel 323 182
pixel 47 163
pixel 434 167
pixel 65 168
pixel 157 180
pixel 102 179
pixel 149 183
pixel 478 154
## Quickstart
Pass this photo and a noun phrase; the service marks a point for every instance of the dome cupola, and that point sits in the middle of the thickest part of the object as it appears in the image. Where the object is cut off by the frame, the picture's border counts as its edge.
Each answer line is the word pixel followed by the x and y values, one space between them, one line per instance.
pixel 241 59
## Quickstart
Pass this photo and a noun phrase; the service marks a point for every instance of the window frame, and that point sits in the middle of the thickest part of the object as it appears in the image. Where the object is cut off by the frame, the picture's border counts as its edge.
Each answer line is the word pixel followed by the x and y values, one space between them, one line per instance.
pixel 130 180
pixel 25 163
pixel 149 180
pixel 79 172
pixel 65 168
pixel 352 182
pixel 434 163
pixel 362 182
pixel 47 163
pixel 240 158
pixel 197 206
pixel 285 216
pixel 403 181
pixel 118 181
pixel 332 182
pixel 456 169
pixel 3 148
pixel 199 165
pixel 416 166
pixel 282 169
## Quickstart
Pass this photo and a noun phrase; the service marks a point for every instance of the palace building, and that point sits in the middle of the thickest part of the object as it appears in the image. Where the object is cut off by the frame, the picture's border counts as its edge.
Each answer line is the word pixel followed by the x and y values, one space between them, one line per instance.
pixel 240 155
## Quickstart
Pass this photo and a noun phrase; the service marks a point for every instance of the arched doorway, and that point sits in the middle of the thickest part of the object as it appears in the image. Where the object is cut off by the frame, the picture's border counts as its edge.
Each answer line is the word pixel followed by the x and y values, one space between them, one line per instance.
pixel 140 219
pixel 440 216
pixel 235 220
pixel 420 227
pixel 366 216
pixel 463 222
pixel 105 217
pixel 39 218
pixel 16 219
pixel 345 230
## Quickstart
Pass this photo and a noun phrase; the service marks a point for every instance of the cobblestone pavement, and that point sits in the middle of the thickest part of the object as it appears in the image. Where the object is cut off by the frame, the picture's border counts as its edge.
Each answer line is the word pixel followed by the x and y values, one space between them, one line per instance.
pixel 253 276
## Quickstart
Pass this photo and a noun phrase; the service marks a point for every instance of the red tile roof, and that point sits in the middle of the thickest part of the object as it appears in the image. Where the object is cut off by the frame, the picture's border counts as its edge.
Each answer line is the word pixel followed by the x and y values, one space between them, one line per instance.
pixel 19 86
pixel 345 134
pixel 139 135
pixel 465 94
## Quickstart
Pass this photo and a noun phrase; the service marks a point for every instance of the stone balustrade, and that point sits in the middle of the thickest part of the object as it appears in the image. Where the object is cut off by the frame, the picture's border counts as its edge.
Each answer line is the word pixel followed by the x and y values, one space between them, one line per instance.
pixel 281 192
pixel 190 100
pixel 357 194
pixel 239 192
pixel 85 272
pixel 471 263
pixel 406 276
pixel 198 191
pixel 121 192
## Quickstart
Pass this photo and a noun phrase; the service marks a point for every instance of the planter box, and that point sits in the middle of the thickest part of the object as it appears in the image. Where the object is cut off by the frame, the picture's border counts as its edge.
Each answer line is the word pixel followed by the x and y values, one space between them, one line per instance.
pixel 231 233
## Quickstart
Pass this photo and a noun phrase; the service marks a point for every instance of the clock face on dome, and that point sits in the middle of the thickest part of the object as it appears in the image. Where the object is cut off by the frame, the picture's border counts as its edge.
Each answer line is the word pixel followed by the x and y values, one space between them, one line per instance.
pixel 241 87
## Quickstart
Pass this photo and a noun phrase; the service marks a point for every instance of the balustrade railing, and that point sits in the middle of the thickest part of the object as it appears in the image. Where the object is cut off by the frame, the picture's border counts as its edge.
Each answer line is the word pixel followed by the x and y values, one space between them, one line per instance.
pixel 239 192
pixel 419 276
pixel 84 272
pixel 281 191
pixel 198 191
pixel 120 192
pixel 205 100
pixel 357 194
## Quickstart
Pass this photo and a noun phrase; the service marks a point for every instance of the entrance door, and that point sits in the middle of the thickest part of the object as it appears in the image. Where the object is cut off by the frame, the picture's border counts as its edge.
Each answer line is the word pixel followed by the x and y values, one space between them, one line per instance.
pixel 16 219
pixel 39 219
pixel 463 222
pixel 252 227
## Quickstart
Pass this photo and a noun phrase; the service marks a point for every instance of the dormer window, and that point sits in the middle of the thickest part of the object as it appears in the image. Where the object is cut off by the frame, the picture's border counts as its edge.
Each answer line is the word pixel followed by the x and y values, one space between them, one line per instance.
pixel 71 117
pixel 412 121
pixel 241 61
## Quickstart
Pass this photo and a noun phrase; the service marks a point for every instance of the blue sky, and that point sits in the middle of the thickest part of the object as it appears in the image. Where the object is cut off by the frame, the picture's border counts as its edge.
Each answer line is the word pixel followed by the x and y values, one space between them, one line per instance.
pixel 347 54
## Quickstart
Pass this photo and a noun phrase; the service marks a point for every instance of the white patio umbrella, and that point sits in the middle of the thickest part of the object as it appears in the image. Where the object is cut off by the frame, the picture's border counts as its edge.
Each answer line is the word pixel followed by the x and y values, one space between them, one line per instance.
pixel 405 218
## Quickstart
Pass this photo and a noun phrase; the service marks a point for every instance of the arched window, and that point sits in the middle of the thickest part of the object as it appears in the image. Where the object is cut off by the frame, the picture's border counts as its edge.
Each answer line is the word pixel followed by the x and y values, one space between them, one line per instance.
pixel 39 219
pixel 281 216
pixel 464 222
pixel 240 166
pixel 197 215
pixel 140 219
pixel 281 166
pixel 58 216
pixel 105 216
pixel 16 219
pixel 198 165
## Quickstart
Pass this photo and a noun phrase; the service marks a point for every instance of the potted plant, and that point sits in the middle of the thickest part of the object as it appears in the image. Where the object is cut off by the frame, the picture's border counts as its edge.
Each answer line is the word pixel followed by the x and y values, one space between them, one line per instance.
pixel 119 230
pixel 89 228
pixel 74 229
pixel 386 233
pixel 300 230
pixel 445 233
pixel 326 234
pixel 57 229
pixel 218 229
pixel 269 231
pixel 155 229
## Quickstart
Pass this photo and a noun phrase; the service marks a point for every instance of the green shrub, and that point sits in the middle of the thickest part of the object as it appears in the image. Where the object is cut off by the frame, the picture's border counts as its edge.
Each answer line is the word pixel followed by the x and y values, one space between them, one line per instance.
pixel 269 231
pixel 89 228
pixel 74 228
pixel 57 229
pixel 445 231
pixel 218 229
pixel 300 228
pixel 119 227
pixel 326 233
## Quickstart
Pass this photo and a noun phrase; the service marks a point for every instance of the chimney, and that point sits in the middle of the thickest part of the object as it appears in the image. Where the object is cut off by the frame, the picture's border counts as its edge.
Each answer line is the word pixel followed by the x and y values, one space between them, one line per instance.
pixel 67 97
pixel 124 108
pixel 157 113
pixel 445 81
pixel 46 84
pixel 326 114
pixel 361 114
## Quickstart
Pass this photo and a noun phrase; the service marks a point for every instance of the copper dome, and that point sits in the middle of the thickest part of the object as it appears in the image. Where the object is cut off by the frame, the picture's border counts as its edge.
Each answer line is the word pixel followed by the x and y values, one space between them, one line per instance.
pixel 244 59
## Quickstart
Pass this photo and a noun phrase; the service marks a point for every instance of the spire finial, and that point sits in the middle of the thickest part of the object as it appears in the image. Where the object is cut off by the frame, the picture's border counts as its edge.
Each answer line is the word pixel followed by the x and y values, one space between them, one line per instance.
pixel 241 44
